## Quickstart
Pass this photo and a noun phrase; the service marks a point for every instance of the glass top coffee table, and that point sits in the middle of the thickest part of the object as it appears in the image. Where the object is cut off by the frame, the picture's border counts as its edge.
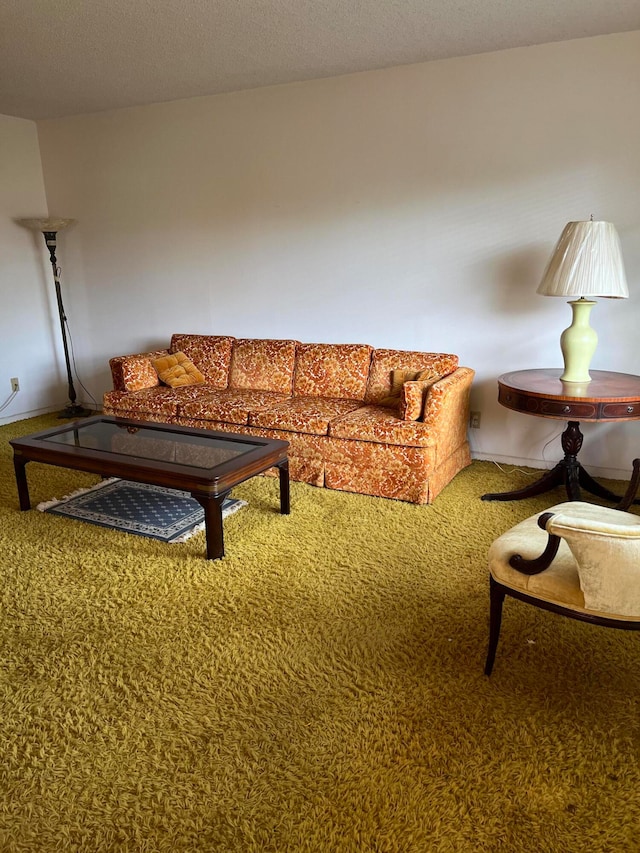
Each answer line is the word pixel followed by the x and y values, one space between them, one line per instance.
pixel 206 463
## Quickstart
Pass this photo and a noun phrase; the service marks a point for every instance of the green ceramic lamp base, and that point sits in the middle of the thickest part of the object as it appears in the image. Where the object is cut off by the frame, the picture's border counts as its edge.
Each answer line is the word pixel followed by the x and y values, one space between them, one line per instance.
pixel 578 343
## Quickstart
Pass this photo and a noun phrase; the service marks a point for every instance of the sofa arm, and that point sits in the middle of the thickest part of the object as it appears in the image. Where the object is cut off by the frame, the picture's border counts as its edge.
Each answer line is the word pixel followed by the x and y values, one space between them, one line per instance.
pixel 446 410
pixel 135 372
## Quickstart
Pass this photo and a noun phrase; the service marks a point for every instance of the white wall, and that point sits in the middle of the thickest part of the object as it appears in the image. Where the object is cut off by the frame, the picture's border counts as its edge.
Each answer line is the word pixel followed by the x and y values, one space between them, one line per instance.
pixel 29 325
pixel 412 207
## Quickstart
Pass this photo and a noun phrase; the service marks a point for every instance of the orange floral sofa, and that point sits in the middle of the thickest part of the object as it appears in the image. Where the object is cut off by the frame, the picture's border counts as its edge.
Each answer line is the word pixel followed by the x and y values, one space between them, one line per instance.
pixel 350 423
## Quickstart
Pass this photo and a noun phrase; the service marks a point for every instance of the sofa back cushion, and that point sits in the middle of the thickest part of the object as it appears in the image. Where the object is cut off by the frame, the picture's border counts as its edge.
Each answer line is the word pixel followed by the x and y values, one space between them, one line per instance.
pixel 332 370
pixel 262 365
pixel 211 354
pixel 385 361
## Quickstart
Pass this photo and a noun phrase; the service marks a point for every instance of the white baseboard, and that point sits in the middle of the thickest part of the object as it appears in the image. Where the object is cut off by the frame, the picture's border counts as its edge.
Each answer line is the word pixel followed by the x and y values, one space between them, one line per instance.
pixel 21 416
pixel 595 471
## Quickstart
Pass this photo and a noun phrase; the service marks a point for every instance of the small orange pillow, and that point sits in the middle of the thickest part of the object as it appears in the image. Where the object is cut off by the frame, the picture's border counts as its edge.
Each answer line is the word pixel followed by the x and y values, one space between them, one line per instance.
pixel 177 370
pixel 412 399
pixel 398 378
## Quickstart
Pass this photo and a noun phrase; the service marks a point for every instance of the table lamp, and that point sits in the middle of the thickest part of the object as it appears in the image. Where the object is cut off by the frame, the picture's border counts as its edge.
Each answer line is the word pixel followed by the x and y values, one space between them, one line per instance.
pixel 587 261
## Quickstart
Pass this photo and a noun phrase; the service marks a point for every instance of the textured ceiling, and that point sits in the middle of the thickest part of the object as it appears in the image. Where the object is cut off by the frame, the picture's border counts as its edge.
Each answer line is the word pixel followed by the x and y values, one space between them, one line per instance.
pixel 66 57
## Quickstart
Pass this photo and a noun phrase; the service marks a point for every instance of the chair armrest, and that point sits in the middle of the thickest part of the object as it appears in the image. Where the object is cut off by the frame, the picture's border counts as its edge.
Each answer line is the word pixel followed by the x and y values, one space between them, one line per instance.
pixel 572 527
pixel 566 525
pixel 538 564
pixel 607 555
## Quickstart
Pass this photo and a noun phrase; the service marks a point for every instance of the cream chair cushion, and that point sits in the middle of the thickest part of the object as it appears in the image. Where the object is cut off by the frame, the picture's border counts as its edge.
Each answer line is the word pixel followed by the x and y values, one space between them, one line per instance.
pixel 596 569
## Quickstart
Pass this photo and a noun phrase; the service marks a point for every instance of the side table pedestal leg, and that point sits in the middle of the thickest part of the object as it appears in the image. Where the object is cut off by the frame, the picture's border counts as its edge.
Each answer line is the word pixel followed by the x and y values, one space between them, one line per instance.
pixel 568 472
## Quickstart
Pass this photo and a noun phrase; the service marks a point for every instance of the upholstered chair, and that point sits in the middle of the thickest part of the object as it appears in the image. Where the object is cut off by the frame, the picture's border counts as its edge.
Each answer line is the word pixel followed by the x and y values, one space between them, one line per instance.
pixel 577 559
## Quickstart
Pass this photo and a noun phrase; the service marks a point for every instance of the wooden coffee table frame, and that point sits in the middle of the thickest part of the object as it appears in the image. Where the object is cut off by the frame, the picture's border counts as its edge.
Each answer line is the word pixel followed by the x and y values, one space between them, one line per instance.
pixel 209 486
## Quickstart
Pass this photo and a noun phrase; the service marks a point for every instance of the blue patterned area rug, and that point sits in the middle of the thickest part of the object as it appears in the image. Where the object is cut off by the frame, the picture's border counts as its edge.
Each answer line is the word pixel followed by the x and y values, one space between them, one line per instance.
pixel 154 511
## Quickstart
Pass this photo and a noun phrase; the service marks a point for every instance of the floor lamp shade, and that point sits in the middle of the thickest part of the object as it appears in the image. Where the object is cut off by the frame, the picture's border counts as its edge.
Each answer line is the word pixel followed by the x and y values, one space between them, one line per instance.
pixel 587 261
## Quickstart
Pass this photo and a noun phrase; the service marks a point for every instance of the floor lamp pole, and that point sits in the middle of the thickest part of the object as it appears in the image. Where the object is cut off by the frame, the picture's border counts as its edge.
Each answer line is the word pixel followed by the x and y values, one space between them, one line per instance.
pixel 73 410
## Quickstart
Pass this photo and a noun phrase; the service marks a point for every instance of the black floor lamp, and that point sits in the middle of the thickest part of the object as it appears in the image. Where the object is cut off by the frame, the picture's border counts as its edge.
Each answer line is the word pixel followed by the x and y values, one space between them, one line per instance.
pixel 49 228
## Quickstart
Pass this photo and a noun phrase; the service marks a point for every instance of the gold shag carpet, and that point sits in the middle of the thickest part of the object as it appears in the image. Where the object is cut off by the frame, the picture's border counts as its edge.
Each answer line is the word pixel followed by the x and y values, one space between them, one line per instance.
pixel 319 689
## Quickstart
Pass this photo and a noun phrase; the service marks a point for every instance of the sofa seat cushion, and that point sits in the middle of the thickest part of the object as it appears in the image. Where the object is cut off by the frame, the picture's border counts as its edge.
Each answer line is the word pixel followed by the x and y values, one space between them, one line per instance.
pixel 382 425
pixel 263 365
pixel 385 361
pixel 160 400
pixel 211 354
pixel 230 406
pixel 310 415
pixel 336 371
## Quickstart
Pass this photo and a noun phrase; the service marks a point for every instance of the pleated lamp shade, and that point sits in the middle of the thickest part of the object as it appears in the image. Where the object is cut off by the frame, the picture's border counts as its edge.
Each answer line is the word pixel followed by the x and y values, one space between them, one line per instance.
pixel 587 261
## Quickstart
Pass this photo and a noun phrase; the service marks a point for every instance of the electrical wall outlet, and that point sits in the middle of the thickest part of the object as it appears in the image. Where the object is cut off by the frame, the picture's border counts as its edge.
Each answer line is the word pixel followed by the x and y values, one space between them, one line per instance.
pixel 474 420
pixel 15 384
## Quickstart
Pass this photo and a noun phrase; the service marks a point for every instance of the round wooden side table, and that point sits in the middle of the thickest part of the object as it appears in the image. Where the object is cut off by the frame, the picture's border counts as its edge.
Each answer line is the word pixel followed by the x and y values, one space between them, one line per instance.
pixel 608 397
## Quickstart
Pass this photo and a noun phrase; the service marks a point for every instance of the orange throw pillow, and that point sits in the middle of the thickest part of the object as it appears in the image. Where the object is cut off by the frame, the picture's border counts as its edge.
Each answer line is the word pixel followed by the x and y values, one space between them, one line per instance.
pixel 177 370
pixel 398 378
pixel 412 399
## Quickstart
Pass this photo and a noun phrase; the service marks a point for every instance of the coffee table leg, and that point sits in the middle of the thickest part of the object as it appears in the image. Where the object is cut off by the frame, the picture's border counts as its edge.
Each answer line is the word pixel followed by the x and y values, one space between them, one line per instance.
pixel 213 524
pixel 285 496
pixel 19 464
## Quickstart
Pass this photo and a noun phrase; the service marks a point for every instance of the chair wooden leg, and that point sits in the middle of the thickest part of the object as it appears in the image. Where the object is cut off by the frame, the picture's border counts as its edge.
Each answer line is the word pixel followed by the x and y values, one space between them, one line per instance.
pixel 496 593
